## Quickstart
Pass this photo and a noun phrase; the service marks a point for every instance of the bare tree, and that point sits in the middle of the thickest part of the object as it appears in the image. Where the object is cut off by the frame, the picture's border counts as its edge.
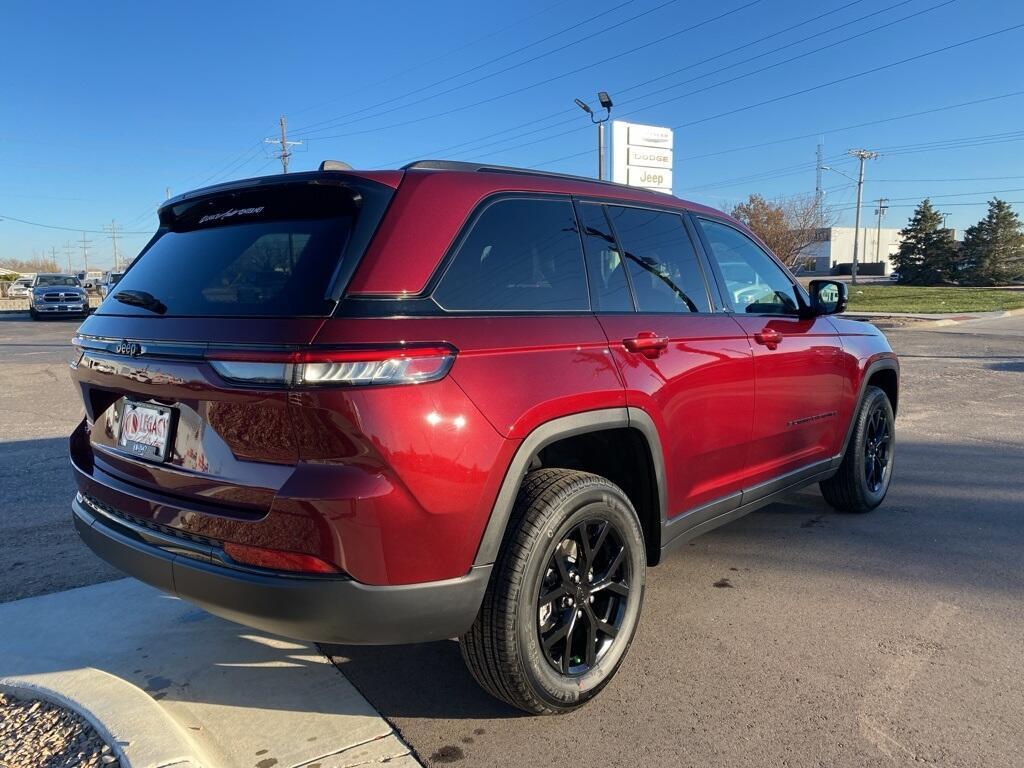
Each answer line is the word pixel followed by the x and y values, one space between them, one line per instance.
pixel 29 265
pixel 788 225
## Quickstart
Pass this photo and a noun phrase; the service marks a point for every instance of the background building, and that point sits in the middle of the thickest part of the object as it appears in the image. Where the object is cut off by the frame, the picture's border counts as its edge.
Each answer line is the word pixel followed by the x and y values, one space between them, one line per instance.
pixel 834 246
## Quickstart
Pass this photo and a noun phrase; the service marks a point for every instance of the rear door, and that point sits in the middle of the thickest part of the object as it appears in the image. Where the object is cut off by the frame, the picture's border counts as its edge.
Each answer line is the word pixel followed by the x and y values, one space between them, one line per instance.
pixel 687 366
pixel 798 361
pixel 241 276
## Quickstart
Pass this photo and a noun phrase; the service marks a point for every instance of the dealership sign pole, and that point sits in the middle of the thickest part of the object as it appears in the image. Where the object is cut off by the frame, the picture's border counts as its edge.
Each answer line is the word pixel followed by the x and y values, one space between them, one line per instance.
pixel 642 156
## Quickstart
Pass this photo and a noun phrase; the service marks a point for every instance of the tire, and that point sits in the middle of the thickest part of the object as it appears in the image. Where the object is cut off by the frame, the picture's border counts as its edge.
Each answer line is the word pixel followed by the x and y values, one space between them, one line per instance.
pixel 543 549
pixel 33 314
pixel 863 478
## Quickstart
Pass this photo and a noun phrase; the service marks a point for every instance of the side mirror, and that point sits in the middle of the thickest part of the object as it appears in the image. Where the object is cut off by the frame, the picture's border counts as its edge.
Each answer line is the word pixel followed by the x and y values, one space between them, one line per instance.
pixel 828 297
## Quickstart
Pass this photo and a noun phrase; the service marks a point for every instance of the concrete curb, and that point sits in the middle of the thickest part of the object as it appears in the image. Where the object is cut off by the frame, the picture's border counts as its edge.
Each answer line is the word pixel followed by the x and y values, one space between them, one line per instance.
pixel 138 731
pixel 171 685
pixel 928 320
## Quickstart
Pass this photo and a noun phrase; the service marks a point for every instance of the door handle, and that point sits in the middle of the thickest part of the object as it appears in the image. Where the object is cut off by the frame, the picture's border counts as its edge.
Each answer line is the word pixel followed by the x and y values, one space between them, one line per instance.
pixel 647 343
pixel 769 337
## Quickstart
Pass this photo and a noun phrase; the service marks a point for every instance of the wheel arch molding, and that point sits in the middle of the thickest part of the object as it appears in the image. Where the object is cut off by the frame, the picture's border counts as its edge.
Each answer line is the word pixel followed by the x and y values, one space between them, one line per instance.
pixel 889 368
pixel 641 475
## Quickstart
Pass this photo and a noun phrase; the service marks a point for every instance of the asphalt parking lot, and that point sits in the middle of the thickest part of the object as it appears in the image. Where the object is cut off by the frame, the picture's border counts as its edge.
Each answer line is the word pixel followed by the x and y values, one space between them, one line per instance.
pixel 796 636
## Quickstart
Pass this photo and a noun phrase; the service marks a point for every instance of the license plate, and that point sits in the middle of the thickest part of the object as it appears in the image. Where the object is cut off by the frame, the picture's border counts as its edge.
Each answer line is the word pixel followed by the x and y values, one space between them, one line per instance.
pixel 145 430
pixel 62 308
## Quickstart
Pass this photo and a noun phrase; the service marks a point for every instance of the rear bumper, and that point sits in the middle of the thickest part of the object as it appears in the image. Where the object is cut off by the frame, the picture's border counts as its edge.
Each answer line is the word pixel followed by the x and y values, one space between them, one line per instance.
pixel 319 609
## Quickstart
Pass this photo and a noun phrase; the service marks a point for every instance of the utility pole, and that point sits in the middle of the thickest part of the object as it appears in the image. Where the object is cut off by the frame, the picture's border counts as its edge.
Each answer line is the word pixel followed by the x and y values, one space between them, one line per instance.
pixel 53 254
pixel 68 250
pixel 819 190
pixel 880 210
pixel 285 153
pixel 862 155
pixel 85 250
pixel 113 237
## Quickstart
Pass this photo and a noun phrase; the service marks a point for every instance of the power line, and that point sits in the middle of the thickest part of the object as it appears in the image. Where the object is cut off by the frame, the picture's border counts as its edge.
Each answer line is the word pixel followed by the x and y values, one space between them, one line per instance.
pixel 514 91
pixel 420 65
pixel 938 181
pixel 914 205
pixel 836 81
pixel 67 229
pixel 960 194
pixel 854 126
pixel 253 151
pixel 758 71
pixel 945 145
pixel 634 86
pixel 348 116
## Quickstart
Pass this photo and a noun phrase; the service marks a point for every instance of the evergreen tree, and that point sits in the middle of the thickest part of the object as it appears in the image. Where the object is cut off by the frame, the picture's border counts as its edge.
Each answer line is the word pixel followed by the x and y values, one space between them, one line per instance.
pixel 927 255
pixel 994 247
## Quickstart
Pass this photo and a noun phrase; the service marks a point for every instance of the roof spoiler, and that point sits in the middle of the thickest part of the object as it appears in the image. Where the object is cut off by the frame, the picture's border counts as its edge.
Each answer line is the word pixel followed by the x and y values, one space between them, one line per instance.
pixel 335 165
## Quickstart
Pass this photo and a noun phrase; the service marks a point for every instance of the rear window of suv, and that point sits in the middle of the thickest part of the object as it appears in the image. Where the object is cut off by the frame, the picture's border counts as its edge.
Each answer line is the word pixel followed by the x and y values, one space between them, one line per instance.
pixel 262 252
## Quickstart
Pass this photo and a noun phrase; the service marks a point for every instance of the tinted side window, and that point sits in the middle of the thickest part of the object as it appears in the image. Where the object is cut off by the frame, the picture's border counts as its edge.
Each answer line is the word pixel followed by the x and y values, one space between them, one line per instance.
pixel 662 262
pixel 608 287
pixel 754 283
pixel 519 255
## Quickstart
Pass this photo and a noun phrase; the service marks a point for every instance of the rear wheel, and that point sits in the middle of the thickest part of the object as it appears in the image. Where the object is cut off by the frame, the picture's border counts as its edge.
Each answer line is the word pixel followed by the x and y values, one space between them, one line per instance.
pixel 863 478
pixel 565 596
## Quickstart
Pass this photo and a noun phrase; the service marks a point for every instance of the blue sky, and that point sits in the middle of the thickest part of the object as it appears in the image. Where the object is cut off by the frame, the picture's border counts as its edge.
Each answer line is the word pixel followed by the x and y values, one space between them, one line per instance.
pixel 104 105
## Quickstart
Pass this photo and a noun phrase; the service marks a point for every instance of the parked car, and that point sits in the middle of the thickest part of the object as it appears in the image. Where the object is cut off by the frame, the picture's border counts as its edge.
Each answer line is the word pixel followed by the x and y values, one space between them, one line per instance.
pixel 20 288
pixel 894 276
pixel 509 396
pixel 110 279
pixel 90 280
pixel 57 294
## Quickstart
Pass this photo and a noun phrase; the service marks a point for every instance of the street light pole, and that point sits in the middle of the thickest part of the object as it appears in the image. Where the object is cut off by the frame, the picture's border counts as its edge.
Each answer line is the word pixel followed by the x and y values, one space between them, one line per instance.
pixel 606 103
pixel 882 208
pixel 862 155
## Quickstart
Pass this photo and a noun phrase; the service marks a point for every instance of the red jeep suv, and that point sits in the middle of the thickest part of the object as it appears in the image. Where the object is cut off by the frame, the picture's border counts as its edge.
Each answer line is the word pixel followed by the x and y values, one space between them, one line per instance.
pixel 457 400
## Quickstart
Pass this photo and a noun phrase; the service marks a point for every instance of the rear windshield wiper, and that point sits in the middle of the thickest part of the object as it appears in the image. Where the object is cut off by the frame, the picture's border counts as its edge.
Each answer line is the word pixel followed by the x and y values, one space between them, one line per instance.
pixel 141 299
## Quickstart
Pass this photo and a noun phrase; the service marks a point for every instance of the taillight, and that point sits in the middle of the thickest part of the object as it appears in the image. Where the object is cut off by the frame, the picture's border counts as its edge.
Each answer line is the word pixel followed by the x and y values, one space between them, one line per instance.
pixel 277 559
pixel 324 366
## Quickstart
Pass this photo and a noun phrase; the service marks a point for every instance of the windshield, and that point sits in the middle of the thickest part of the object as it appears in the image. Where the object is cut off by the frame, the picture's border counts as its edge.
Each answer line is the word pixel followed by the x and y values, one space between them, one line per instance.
pixel 114 278
pixel 260 252
pixel 62 280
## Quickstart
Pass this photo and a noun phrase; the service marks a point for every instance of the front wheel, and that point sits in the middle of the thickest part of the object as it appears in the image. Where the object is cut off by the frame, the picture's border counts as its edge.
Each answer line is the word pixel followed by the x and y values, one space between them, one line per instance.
pixel 863 478
pixel 33 315
pixel 564 599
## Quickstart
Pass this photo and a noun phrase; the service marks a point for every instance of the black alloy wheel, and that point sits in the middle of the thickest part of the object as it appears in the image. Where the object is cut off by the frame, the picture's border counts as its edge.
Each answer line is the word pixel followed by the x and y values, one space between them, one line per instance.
pixel 565 594
pixel 862 479
pixel 583 596
pixel 876 449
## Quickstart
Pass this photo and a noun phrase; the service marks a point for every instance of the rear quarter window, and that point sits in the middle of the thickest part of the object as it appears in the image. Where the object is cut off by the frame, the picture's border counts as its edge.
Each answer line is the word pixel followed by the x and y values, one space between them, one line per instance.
pixel 520 254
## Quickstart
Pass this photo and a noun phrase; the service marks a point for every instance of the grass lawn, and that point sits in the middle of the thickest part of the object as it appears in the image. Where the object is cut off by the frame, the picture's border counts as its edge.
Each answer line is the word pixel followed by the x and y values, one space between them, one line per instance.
pixel 910 298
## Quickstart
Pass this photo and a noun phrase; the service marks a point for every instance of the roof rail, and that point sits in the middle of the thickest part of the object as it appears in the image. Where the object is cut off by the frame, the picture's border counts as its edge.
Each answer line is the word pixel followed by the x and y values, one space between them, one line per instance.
pixel 458 165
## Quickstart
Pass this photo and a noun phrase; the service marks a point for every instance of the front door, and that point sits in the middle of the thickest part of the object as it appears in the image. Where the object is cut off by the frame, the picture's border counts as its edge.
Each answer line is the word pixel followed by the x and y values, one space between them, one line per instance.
pixel 798 361
pixel 688 368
